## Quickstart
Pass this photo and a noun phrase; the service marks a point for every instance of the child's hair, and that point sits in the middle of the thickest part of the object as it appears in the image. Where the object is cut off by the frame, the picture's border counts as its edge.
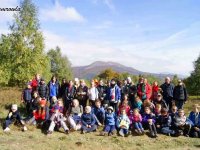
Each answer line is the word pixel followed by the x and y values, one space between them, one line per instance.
pixel 158 106
pixel 180 110
pixel 136 110
pixel 97 101
pixel 61 102
pixel 137 98
pixel 75 101
pixel 123 109
pixel 164 111
pixel 196 106
pixel 125 95
pixel 145 108
pixel 174 107
pixel 147 103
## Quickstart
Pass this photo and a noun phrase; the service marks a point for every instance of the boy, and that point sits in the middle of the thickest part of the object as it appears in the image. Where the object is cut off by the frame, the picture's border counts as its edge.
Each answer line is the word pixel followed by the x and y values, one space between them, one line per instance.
pixel 99 113
pixel 27 97
pixel 13 116
pixel 88 121
pixel 195 118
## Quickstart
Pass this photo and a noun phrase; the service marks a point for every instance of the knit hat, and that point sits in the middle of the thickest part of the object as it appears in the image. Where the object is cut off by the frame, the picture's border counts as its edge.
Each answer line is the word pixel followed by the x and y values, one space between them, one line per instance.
pixel 88 108
pixel 14 107
pixel 110 107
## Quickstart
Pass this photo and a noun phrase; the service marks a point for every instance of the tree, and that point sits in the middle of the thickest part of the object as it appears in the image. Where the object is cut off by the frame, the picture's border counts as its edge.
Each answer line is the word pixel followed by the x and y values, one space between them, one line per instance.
pixel 175 80
pixel 108 74
pixel 25 46
pixel 60 65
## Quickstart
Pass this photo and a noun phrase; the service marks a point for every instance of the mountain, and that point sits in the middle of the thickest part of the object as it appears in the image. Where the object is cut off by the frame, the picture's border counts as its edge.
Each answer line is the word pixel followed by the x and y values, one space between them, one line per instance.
pixel 89 71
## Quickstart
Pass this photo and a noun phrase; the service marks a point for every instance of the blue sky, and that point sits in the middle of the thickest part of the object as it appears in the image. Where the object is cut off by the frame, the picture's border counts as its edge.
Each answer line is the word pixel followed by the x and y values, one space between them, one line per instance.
pixel 149 35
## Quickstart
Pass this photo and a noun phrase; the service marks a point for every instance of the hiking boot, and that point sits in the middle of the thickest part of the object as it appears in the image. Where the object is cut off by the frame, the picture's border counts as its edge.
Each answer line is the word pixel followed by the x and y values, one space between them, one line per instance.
pixel 66 131
pixel 83 132
pixel 49 132
pixel 25 128
pixel 110 134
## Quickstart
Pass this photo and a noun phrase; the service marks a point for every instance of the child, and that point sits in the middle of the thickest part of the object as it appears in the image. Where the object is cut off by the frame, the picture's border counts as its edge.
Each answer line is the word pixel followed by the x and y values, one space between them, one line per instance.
pixel 180 124
pixel 110 122
pixel 13 116
pixel 58 105
pixel 124 105
pixel 88 121
pixel 137 103
pixel 149 122
pixel 136 120
pixel 74 115
pixel 157 111
pixel 195 118
pixel 147 103
pixel 57 119
pixel 123 123
pixel 163 123
pixel 27 97
pixel 99 113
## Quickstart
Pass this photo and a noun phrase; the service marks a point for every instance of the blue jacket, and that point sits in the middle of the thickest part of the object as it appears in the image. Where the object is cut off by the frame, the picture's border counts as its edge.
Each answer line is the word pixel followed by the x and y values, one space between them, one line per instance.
pixel 53 89
pixel 110 118
pixel 27 95
pixel 88 119
pixel 192 118
pixel 167 90
pixel 99 112
pixel 117 93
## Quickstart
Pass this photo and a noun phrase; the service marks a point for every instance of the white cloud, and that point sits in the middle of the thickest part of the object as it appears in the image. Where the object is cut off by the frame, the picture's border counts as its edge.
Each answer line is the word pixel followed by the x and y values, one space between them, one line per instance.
pixel 110 5
pixel 61 14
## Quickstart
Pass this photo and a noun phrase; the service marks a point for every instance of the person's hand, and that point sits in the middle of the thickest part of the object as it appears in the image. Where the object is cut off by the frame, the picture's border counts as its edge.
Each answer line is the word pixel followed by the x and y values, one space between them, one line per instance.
pixel 150 121
pixel 158 126
pixel 196 129
pixel 89 126
pixel 185 102
pixel 10 114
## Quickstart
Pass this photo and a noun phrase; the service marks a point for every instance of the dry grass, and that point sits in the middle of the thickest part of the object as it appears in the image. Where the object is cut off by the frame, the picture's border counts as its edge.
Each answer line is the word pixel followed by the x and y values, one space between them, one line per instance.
pixel 35 139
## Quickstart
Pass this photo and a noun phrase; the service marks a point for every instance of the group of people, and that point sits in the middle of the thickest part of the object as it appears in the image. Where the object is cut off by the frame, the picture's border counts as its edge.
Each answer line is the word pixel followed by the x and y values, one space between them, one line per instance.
pixel 119 106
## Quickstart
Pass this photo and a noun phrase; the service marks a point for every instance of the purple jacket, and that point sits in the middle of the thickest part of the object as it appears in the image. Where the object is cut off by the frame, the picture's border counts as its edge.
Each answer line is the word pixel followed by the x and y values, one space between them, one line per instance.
pixel 145 118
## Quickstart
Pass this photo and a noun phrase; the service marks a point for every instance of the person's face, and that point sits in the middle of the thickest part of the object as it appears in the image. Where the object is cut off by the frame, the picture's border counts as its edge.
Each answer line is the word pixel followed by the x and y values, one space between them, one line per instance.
pixel 42 82
pixel 109 111
pixel 63 81
pixel 38 77
pixel 98 104
pixel 195 109
pixel 159 97
pixel 57 110
pixel 113 83
pixel 59 103
pixel 180 83
pixel 142 80
pixel 135 112
pixel 174 109
pixel 155 83
pixel 164 113
pixel 92 83
pixel 87 110
pixel 54 79
pixel 123 112
pixel 35 95
pixel 147 111
pixel 128 80
pixel 13 110
pixel 75 103
pixel 29 86
pixel 167 80
pixel 145 81
pixel 181 113
pixel 101 83
pixel 82 83
pixel 70 83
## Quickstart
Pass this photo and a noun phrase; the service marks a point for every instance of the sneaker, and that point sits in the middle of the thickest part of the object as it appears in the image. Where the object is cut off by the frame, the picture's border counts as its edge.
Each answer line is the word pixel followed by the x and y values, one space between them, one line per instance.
pixel 168 134
pixel 25 128
pixel 83 132
pixel 136 131
pixel 6 129
pixel 110 134
pixel 140 132
pixel 121 133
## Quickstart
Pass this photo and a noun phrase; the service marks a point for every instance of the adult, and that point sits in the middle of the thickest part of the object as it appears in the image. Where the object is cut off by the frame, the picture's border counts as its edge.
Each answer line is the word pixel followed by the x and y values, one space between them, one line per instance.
pixel 92 93
pixel 167 91
pixel 69 94
pixel 114 95
pixel 35 82
pixel 63 86
pixel 102 91
pixel 144 89
pixel 180 94
pixel 132 91
pixel 159 100
pixel 43 89
pixel 53 86
pixel 81 93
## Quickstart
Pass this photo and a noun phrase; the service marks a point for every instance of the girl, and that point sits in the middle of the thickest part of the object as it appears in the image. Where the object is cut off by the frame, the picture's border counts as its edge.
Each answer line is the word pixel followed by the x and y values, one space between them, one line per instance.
pixel 149 122
pixel 123 123
pixel 124 105
pixel 136 120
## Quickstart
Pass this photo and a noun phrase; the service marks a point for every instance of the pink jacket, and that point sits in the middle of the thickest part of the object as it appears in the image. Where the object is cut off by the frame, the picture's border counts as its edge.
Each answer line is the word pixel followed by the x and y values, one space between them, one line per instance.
pixel 134 118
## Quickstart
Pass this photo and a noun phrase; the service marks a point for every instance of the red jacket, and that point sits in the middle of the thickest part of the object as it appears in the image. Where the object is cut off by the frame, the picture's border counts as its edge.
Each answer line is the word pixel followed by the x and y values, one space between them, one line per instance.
pixel 147 91
pixel 39 114
pixel 34 84
pixel 154 92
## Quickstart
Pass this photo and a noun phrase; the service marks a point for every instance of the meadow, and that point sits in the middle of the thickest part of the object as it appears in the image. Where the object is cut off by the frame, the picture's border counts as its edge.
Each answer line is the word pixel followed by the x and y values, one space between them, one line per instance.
pixel 35 139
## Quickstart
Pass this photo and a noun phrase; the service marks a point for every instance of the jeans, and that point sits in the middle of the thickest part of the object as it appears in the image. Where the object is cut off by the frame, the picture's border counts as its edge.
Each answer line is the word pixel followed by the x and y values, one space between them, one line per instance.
pixel 109 128
pixel 62 123
pixel 93 127
pixel 138 125
pixel 167 130
pixel 125 131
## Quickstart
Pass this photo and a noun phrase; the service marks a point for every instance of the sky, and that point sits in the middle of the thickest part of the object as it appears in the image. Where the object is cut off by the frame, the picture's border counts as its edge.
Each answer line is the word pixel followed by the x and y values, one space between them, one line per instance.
pixel 157 36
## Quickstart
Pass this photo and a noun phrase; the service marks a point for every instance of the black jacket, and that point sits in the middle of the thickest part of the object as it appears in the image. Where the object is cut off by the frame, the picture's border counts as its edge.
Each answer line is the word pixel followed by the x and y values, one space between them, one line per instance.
pixel 180 93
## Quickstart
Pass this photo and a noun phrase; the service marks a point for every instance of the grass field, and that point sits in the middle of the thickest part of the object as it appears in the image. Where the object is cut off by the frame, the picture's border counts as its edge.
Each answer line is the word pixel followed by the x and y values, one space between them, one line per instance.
pixel 35 139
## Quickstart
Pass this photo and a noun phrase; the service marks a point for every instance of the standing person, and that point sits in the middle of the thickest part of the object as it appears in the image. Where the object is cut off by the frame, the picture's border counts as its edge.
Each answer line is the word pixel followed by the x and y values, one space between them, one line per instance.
pixel 76 83
pixel 141 89
pixel 132 90
pixel 125 89
pixel 155 90
pixel 27 97
pixel 102 91
pixel 180 94
pixel 167 89
pixel 92 94
pixel 114 95
pixel 69 94
pixel 43 89
pixel 63 86
pixel 35 82
pixel 82 93
pixel 53 86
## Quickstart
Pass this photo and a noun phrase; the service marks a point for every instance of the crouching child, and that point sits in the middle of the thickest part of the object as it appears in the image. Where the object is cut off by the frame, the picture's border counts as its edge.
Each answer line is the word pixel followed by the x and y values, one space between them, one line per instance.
pixel 57 120
pixel 88 121
pixel 181 125
pixel 110 122
pixel 123 123
pixel 12 117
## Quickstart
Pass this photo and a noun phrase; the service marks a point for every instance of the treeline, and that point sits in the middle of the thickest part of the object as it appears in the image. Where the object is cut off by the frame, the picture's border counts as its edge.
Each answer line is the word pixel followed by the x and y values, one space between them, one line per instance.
pixel 22 51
